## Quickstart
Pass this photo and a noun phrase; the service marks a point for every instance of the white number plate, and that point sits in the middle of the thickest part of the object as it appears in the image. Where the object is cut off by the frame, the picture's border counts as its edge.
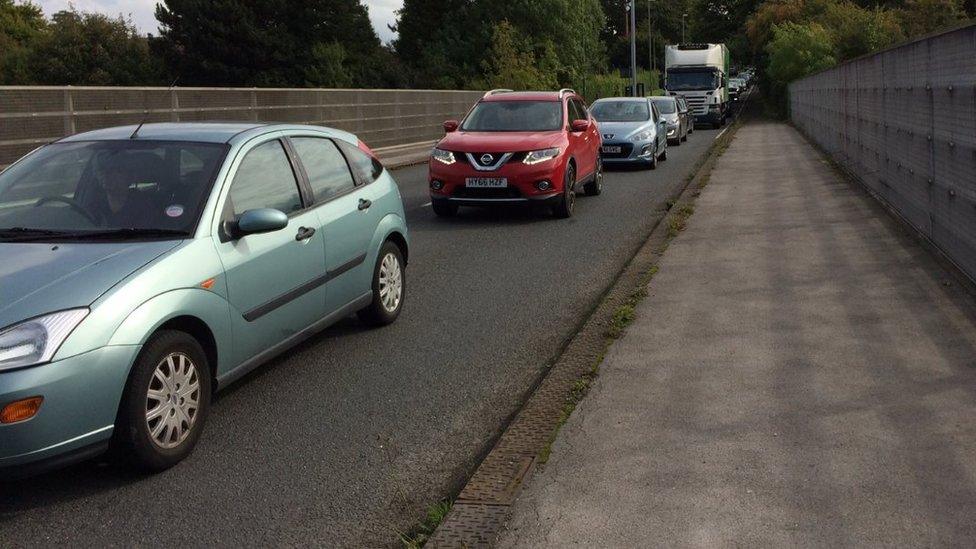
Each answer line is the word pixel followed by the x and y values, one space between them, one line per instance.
pixel 612 150
pixel 486 182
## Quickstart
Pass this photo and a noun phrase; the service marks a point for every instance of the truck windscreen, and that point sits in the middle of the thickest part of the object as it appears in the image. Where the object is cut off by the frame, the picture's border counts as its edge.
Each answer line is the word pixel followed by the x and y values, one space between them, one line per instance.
pixel 678 81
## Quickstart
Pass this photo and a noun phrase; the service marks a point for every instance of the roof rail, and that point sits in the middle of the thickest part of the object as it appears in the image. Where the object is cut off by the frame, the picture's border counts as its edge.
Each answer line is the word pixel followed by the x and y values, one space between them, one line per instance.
pixel 499 90
pixel 564 91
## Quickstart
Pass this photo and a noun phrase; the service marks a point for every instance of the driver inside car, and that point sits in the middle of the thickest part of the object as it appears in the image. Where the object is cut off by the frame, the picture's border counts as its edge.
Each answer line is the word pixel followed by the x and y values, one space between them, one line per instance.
pixel 122 206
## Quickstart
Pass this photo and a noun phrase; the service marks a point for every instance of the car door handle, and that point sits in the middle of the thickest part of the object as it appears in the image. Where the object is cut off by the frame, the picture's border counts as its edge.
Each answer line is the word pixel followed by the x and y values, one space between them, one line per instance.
pixel 364 204
pixel 304 233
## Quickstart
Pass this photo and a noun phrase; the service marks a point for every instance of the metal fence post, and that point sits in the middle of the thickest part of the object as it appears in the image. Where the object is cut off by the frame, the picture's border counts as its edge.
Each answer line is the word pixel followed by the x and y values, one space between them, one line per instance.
pixel 69 112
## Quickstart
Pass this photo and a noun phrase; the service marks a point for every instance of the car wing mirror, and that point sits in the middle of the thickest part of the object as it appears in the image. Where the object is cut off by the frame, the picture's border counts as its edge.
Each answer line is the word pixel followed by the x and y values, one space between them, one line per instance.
pixel 260 220
pixel 451 126
pixel 580 125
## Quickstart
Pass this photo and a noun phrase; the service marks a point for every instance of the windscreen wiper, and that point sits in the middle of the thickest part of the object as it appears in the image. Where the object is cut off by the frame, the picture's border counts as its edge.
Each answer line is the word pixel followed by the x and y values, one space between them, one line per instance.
pixel 130 232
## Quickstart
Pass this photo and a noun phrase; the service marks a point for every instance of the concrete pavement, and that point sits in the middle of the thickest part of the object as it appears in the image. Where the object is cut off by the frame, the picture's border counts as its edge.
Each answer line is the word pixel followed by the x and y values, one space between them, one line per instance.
pixel 802 374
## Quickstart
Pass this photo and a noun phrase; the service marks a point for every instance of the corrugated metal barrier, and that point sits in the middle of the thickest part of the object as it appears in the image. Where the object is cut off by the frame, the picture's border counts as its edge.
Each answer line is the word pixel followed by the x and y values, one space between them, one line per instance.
pixel 33 115
pixel 904 122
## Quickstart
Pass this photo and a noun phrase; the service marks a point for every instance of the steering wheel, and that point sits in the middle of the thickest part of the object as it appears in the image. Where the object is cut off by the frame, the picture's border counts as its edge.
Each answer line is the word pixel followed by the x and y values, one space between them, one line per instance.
pixel 70 202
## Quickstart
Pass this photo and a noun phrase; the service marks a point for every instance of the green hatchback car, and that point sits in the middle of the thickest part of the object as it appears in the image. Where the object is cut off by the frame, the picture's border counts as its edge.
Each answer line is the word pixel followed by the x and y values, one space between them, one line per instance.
pixel 144 268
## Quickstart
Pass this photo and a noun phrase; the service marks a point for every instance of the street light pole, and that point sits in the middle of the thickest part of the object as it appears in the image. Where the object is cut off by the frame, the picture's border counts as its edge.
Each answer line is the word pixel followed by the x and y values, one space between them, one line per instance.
pixel 683 39
pixel 650 39
pixel 632 6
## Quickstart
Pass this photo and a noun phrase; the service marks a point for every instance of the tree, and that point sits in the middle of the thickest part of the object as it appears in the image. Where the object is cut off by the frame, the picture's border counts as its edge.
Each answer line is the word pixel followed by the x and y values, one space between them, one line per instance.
pixel 268 42
pixel 91 49
pixel 511 64
pixel 856 31
pixel 21 25
pixel 796 50
pixel 921 17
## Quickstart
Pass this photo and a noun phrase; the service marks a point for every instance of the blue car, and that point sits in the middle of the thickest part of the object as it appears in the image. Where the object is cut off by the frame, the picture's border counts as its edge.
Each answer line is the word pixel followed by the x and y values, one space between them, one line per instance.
pixel 633 131
pixel 145 268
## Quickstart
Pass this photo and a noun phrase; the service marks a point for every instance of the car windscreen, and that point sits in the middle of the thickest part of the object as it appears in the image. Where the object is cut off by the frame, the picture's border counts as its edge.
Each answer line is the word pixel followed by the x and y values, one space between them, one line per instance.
pixel 666 106
pixel 108 188
pixel 678 80
pixel 514 116
pixel 620 111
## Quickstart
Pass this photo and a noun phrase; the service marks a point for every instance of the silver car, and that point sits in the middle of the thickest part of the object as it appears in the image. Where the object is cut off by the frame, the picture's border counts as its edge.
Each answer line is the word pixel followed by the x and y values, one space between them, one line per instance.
pixel 632 129
pixel 677 126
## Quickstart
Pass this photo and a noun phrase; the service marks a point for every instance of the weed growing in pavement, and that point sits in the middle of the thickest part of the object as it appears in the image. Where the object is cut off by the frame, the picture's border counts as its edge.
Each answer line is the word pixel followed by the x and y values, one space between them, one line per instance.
pixel 435 516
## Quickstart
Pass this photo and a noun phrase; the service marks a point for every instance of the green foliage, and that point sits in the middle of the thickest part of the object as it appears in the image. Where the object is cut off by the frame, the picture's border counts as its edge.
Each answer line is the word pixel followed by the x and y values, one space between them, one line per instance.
pixel 924 16
pixel 90 49
pixel 269 43
pixel 797 50
pixel 511 63
pixel 856 31
pixel 21 26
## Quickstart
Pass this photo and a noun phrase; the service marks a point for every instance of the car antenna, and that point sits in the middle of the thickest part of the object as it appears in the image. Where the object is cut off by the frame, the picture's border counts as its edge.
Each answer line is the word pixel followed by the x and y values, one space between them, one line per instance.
pixel 145 114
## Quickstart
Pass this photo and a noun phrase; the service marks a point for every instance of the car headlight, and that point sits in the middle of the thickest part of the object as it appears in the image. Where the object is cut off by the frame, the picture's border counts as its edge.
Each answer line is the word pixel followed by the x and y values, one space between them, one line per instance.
pixel 36 340
pixel 535 157
pixel 643 136
pixel 442 156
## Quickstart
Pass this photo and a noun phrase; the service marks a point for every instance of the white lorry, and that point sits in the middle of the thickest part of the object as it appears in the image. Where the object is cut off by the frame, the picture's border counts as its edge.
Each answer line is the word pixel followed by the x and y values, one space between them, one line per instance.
pixel 700 74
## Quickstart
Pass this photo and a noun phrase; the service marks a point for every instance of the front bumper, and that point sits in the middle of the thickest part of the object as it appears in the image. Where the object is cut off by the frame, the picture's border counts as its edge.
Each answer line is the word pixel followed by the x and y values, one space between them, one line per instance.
pixel 711 117
pixel 631 152
pixel 81 400
pixel 521 183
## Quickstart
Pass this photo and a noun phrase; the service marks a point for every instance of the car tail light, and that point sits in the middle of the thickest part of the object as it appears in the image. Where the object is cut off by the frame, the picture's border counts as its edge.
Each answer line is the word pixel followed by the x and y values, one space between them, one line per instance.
pixel 21 410
pixel 363 147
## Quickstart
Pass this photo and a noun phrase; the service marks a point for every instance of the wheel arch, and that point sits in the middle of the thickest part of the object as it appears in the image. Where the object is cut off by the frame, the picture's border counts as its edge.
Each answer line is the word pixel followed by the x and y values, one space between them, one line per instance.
pixel 397 238
pixel 200 331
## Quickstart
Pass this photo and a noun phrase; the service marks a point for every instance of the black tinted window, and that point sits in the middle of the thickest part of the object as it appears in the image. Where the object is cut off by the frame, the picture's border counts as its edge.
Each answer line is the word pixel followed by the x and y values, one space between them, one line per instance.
pixel 328 173
pixel 265 180
pixel 368 168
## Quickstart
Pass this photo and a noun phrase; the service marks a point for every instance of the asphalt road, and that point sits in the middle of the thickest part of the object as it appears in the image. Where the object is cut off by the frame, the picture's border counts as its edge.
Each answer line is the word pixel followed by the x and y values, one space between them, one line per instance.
pixel 348 438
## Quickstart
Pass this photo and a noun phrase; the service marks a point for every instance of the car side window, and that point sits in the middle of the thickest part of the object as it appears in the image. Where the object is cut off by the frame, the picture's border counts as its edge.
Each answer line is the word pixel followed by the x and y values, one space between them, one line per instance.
pixel 581 110
pixel 328 172
pixel 265 179
pixel 367 168
pixel 574 111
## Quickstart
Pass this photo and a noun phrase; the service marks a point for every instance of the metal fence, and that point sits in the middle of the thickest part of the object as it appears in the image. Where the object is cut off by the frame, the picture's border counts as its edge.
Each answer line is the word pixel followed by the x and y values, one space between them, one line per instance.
pixel 34 115
pixel 904 122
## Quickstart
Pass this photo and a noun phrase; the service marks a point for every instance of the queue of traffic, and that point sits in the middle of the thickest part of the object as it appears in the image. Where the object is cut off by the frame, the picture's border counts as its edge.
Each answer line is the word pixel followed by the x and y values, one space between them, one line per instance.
pixel 147 267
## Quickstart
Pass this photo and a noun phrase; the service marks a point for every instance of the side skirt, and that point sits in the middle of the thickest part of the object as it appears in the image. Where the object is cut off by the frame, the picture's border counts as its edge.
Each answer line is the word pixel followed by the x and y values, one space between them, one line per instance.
pixel 361 302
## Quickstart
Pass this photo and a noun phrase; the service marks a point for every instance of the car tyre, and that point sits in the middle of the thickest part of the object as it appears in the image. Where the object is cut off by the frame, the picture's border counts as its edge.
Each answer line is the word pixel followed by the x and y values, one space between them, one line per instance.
pixel 567 201
pixel 652 163
pixel 664 155
pixel 595 187
pixel 389 287
pixel 165 402
pixel 444 209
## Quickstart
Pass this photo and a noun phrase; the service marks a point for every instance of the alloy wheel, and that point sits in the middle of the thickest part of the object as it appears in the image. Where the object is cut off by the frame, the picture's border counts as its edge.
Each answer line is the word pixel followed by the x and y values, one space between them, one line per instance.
pixel 173 400
pixel 391 282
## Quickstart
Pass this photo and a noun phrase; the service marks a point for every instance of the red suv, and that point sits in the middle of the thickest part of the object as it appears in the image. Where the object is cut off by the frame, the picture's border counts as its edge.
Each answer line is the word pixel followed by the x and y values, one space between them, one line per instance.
pixel 517 147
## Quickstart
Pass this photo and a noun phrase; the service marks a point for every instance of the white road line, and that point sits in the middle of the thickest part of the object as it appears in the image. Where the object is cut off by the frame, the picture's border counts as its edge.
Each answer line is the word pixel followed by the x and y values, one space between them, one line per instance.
pixel 425 205
pixel 720 133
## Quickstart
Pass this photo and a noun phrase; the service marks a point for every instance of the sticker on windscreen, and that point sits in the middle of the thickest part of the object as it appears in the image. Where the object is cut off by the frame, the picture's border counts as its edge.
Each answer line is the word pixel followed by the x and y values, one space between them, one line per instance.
pixel 174 211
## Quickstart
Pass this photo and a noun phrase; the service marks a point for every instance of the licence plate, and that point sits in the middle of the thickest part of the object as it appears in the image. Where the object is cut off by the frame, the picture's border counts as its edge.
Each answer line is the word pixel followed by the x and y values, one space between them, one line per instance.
pixel 612 150
pixel 486 182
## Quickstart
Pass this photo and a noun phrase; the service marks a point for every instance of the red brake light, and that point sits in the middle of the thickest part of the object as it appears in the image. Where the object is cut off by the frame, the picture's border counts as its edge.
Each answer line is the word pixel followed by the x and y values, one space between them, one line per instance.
pixel 363 147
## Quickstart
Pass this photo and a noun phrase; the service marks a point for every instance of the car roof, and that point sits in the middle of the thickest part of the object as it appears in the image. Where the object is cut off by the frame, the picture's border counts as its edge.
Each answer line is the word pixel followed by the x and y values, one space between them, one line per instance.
pixel 200 132
pixel 662 98
pixel 525 96
pixel 621 99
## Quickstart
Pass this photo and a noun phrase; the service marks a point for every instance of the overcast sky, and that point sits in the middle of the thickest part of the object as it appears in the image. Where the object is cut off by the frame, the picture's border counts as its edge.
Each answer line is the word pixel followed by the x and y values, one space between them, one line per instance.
pixel 141 11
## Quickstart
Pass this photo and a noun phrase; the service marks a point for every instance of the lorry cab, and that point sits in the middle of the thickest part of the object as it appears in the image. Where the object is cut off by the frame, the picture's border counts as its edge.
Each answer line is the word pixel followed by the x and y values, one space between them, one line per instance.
pixel 699 74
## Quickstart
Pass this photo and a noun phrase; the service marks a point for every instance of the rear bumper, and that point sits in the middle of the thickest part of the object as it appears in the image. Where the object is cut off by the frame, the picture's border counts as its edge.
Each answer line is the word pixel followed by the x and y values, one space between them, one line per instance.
pixel 76 419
